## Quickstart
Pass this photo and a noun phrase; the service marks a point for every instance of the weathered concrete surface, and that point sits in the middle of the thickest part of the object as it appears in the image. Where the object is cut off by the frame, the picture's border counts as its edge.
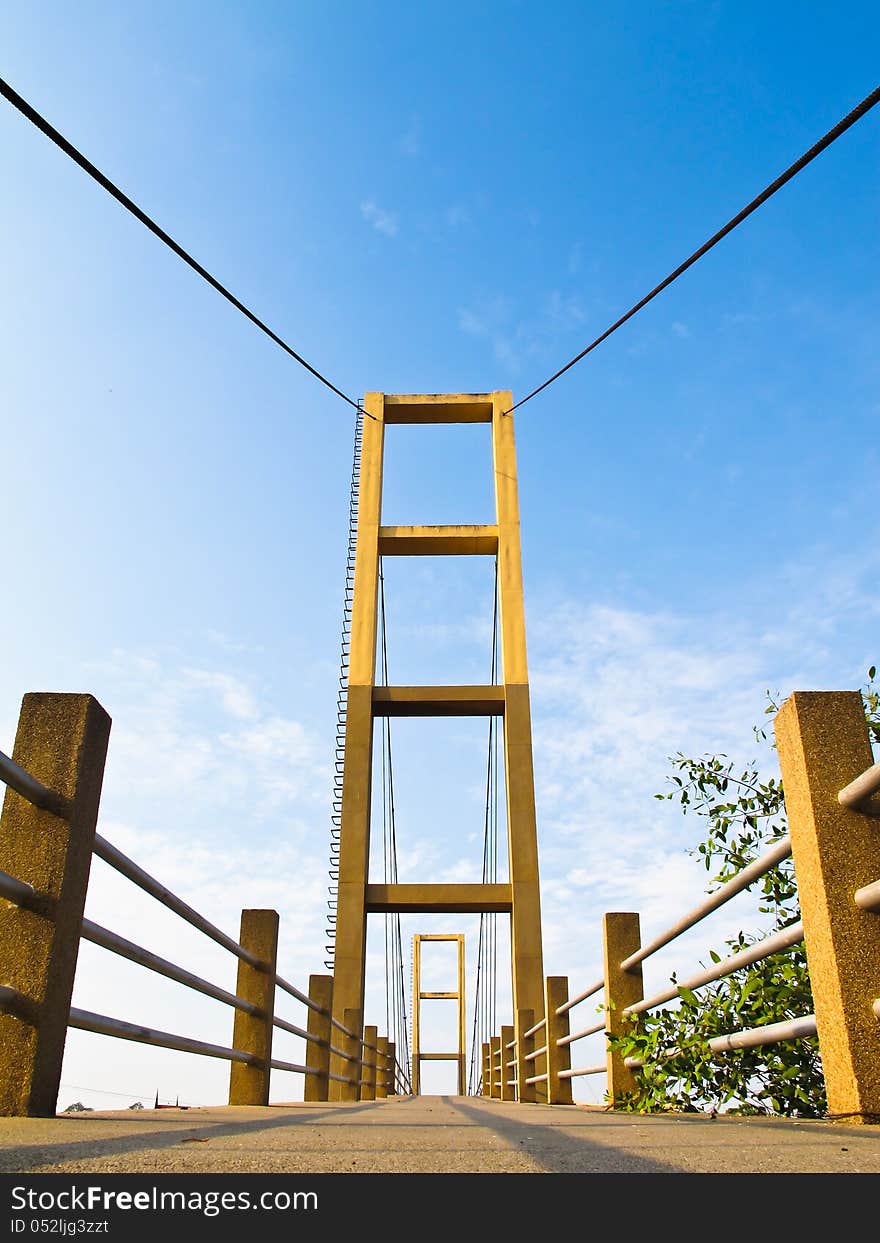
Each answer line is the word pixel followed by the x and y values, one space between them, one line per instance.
pixel 61 741
pixel 428 1135
pixel 823 744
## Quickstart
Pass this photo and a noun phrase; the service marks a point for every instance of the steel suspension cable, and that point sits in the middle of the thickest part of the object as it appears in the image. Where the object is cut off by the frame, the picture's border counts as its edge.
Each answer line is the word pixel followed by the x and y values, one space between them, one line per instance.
pixel 342 694
pixel 31 114
pixel 495 774
pixel 395 986
pixel 390 1015
pixel 840 128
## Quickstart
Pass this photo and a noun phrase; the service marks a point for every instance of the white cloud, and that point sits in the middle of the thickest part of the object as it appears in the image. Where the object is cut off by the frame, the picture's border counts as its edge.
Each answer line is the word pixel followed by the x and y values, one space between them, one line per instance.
pixel 226 803
pixel 615 691
pixel 218 883
pixel 236 698
pixel 516 339
pixel 382 221
pixel 225 800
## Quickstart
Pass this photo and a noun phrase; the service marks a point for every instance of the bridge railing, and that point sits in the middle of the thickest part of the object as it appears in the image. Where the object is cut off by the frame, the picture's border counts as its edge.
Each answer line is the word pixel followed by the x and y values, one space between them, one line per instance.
pixel 831 785
pixel 47 838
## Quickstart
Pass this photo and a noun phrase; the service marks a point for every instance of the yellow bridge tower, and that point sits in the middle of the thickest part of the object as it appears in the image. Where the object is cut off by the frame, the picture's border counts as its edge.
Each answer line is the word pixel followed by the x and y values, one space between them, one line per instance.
pixel 357 897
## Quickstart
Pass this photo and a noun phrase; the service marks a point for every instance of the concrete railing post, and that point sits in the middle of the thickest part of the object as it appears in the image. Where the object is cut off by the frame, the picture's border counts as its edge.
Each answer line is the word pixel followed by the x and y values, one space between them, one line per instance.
pixel 390 1071
pixel 249 1082
pixel 317 1086
pixel 556 995
pixel 622 937
pixel 62 741
pixel 525 1020
pixel 346 1064
pixel 354 1047
pixel 384 1071
pixel 495 1071
pixel 508 1073
pixel 823 745
pixel 371 1065
pixel 487 1069
pixel 364 1055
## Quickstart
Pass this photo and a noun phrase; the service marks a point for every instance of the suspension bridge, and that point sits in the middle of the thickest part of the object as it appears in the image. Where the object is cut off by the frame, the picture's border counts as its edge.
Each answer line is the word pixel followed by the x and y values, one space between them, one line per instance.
pixel 361 1106
pixel 361 1100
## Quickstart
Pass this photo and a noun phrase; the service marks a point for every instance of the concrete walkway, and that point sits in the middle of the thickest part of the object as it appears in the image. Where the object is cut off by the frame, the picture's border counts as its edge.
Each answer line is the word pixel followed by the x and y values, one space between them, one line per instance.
pixel 431 1134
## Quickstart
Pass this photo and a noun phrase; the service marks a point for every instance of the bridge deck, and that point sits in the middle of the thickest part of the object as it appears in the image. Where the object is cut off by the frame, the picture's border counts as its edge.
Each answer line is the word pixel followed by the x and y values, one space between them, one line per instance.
pixel 429 1134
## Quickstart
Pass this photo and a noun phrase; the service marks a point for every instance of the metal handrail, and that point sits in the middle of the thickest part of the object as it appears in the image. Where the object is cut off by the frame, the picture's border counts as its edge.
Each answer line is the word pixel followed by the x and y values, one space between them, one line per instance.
pixel 26 896
pixel 17 1004
pixel 340 1027
pixel 25 784
pixel 586 1070
pixel 22 894
pixel 531 1057
pixel 298 1031
pixel 538 1078
pixel 145 958
pixel 636 1063
pixel 116 859
pixel 85 1020
pixel 781 940
pixel 778 851
pixel 294 1067
pixel 294 992
pixel 576 1001
pixel 536 1028
pixel 855 796
pixel 588 1031
pixel 748 1038
pixel 772 1033
pixel 868 897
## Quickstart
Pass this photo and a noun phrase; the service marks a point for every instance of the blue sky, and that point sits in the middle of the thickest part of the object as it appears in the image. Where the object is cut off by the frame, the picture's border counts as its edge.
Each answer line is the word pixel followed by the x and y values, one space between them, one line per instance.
pixel 427 198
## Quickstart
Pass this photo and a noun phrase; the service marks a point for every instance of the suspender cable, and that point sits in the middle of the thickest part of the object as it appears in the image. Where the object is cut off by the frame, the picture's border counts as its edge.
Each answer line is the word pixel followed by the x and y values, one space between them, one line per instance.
pixel 396 1014
pixel 485 996
pixel 342 693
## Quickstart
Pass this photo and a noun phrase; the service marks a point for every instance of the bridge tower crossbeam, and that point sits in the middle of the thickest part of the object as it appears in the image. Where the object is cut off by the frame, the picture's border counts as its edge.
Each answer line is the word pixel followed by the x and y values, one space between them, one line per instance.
pixel 357 896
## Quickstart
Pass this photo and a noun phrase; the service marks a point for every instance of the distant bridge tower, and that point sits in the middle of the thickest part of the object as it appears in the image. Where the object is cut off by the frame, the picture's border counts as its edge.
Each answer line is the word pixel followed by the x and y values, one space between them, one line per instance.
pixel 357 897
pixel 458 996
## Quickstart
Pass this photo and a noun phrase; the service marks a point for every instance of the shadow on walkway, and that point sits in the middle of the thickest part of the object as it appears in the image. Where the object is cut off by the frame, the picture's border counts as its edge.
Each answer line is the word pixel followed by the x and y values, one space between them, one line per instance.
pixel 557 1151
pixel 34 1155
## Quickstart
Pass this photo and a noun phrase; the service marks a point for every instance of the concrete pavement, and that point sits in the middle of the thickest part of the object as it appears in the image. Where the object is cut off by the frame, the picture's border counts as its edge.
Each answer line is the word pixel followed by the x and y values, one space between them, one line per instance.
pixel 429 1134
